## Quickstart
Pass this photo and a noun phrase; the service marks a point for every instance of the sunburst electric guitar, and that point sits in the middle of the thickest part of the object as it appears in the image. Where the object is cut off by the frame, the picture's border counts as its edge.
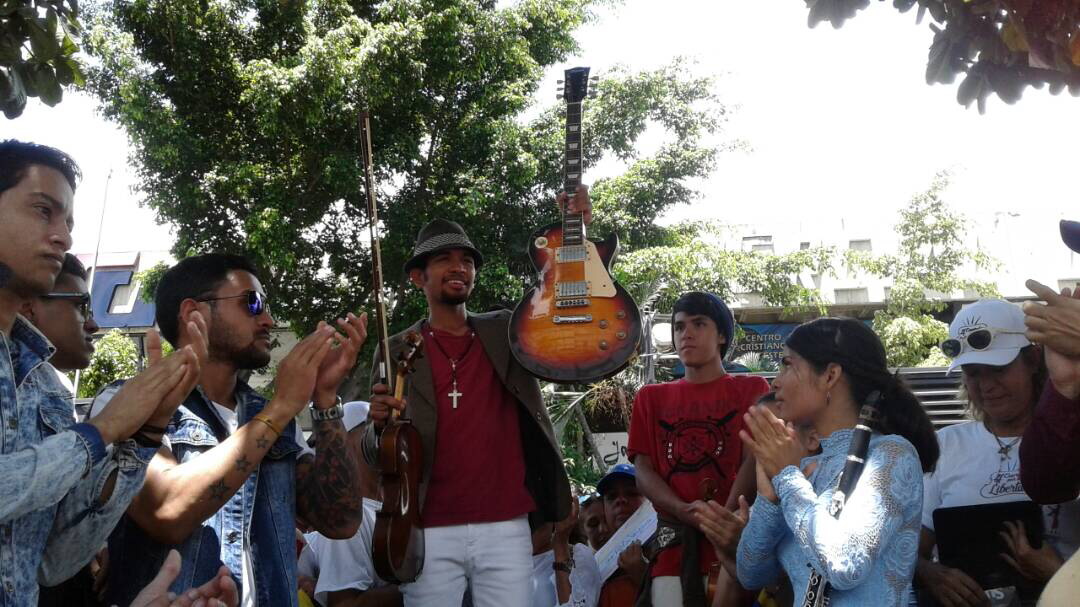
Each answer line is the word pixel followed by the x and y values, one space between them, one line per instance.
pixel 576 325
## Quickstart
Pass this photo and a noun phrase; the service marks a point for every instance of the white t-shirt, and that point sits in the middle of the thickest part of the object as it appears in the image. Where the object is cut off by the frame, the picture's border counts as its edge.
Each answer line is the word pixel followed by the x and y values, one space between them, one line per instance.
pixel 970 471
pixel 346 564
pixel 584 579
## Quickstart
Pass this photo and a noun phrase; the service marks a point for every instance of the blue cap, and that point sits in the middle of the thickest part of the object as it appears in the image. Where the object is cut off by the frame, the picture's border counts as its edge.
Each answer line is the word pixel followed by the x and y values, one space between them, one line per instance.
pixel 623 470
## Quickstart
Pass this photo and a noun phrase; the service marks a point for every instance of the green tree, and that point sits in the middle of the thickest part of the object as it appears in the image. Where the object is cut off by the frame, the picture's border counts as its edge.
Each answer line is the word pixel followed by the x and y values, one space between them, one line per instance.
pixel 928 267
pixel 37 52
pixel 693 262
pixel 997 46
pixel 115 357
pixel 243 119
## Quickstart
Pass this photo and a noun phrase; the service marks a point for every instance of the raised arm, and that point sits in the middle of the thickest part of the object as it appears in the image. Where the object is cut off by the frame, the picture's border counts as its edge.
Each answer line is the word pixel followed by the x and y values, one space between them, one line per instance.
pixel 177 497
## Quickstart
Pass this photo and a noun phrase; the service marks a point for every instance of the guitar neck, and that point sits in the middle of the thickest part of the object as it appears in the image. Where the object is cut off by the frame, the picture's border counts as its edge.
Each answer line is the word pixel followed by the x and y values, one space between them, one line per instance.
pixel 573 223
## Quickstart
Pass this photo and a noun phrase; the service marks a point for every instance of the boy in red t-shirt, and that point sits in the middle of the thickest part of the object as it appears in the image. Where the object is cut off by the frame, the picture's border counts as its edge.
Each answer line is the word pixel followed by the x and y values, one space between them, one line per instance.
pixel 684 441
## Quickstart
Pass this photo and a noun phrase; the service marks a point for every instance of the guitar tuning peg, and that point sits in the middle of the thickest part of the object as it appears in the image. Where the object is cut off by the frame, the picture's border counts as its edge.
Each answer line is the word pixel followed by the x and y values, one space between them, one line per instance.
pixel 558 82
pixel 594 79
pixel 559 96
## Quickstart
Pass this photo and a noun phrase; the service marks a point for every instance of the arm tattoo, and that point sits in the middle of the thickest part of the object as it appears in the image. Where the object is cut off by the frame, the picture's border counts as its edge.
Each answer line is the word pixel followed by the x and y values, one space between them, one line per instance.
pixel 218 491
pixel 329 490
pixel 262 442
pixel 242 464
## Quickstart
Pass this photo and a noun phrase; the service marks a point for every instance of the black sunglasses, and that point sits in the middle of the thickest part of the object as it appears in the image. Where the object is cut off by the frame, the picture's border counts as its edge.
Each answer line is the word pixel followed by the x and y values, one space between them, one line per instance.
pixel 81 301
pixel 256 302
pixel 979 339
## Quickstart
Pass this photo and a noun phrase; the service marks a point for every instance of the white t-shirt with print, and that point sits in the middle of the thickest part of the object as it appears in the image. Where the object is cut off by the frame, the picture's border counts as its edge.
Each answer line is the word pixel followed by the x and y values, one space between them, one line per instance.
pixel 971 471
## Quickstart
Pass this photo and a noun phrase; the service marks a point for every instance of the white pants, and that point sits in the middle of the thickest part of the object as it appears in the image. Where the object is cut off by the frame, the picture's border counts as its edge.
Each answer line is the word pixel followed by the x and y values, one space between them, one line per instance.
pixel 493 559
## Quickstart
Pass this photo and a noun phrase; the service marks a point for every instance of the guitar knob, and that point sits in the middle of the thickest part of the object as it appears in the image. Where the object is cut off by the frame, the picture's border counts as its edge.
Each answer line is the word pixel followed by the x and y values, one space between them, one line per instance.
pixel 603 324
pixel 621 334
pixel 603 344
pixel 620 314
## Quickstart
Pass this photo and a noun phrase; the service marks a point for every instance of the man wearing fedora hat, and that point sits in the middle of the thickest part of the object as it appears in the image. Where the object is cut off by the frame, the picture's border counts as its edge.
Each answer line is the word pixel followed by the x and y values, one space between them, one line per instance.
pixel 491 460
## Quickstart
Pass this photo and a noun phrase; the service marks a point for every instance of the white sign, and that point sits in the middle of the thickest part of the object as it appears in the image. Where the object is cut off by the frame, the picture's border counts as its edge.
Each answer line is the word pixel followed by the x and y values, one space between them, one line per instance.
pixel 638 527
pixel 612 447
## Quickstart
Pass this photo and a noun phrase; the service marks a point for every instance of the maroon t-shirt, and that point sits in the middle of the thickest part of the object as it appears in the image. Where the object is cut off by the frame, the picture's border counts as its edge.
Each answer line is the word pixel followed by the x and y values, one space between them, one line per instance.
pixel 479 470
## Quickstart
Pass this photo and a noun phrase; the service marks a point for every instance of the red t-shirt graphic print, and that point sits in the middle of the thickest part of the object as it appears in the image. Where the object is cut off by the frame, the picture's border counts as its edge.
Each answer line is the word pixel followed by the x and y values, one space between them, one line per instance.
pixel 690 432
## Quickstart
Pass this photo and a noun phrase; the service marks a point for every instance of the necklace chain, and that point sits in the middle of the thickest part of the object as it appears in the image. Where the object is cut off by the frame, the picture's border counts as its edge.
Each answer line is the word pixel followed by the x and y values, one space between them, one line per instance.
pixel 454 393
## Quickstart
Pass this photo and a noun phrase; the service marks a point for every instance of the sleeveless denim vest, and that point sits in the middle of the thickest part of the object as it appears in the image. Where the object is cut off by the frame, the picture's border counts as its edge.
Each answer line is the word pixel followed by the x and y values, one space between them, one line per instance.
pixel 264 507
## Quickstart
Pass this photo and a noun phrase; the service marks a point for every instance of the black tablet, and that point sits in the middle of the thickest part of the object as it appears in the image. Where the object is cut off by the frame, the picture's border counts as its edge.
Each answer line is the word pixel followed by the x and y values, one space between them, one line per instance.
pixel 968 539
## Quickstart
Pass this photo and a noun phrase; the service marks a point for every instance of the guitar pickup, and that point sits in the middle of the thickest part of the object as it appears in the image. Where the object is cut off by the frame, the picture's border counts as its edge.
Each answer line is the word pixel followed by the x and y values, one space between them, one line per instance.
pixel 572 320
pixel 572 303
pixel 571 289
pixel 571 253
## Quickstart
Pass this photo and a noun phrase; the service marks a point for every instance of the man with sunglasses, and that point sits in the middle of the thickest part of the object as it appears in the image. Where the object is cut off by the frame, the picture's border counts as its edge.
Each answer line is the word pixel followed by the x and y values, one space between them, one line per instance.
pixel 234 472
pixel 64 489
pixel 65 317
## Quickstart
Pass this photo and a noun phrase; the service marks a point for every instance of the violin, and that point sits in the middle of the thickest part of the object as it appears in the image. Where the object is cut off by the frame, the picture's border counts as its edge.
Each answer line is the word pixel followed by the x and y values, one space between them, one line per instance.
pixel 397 547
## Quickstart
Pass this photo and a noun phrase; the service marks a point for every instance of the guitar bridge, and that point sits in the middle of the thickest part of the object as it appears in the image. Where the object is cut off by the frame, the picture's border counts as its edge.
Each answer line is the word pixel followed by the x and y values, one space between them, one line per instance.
pixel 572 303
pixel 572 320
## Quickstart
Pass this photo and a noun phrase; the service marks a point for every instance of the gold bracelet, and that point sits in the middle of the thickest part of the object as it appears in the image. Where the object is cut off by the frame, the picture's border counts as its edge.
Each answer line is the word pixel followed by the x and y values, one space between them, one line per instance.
pixel 269 423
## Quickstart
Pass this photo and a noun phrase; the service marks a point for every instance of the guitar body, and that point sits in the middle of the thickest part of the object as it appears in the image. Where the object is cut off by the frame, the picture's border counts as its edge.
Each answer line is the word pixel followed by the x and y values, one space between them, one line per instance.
pixel 577 324
pixel 398 541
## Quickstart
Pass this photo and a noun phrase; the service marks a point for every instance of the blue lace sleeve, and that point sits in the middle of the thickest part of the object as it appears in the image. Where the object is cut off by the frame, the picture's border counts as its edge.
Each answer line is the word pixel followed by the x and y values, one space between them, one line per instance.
pixel 845 549
pixel 756 561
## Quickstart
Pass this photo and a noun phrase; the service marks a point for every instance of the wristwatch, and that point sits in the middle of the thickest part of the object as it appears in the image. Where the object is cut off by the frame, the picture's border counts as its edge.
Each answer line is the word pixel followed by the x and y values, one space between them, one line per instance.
pixel 567 565
pixel 322 415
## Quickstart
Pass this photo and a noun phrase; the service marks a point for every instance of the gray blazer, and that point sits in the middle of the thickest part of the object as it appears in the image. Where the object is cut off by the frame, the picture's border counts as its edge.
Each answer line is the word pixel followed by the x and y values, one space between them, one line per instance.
pixel 545 476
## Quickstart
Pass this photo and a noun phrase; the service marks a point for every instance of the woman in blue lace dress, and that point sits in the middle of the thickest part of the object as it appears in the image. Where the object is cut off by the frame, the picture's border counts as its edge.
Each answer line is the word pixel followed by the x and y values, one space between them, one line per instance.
pixel 868 554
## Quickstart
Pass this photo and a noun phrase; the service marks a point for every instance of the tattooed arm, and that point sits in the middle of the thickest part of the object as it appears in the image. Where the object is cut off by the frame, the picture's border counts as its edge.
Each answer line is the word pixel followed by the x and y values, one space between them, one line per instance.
pixel 328 492
pixel 178 496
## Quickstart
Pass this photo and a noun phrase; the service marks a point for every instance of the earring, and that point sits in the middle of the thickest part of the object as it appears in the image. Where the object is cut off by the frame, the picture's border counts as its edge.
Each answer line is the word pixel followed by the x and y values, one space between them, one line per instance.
pixel 828 398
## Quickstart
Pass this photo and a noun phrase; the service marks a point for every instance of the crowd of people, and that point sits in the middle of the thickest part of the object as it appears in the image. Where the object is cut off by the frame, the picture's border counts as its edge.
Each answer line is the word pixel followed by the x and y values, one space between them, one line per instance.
pixel 184 486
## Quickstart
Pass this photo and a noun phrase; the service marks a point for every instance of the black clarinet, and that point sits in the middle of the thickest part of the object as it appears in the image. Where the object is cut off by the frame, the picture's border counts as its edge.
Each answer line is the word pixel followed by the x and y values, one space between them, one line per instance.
pixel 818 588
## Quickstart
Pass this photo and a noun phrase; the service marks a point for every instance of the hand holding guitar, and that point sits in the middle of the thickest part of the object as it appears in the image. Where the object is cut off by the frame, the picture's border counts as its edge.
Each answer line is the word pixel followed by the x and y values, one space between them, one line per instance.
pixel 578 203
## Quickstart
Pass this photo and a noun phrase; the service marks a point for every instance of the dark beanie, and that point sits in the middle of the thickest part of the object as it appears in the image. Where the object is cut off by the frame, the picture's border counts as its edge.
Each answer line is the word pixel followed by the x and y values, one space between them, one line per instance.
pixel 707 304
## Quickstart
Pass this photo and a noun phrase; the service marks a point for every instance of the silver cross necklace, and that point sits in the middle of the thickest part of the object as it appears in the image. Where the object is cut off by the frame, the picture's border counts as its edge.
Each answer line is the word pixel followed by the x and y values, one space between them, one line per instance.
pixel 454 393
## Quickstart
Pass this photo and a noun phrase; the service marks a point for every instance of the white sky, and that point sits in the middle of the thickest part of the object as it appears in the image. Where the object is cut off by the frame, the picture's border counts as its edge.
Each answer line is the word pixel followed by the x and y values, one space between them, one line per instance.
pixel 841 122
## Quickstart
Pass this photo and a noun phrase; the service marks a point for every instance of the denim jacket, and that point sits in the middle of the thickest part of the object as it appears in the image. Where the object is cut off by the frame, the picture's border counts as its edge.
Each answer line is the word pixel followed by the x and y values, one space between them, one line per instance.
pixel 264 508
pixel 53 471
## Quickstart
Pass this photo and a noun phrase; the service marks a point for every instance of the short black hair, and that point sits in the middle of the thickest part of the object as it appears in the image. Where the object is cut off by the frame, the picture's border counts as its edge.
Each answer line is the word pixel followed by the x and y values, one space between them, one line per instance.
pixel 17 156
pixel 698 303
pixel 72 266
pixel 192 278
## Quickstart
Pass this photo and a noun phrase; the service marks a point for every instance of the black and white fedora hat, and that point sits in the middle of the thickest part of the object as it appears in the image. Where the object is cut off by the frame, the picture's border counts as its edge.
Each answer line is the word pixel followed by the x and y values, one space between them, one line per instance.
pixel 440 235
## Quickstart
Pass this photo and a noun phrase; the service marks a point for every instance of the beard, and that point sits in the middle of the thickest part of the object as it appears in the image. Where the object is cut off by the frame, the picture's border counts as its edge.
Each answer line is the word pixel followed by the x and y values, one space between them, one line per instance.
pixel 224 346
pixel 453 300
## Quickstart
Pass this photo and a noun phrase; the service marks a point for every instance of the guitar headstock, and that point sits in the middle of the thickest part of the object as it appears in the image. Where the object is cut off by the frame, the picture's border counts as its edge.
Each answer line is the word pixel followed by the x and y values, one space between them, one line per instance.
pixel 414 350
pixel 575 87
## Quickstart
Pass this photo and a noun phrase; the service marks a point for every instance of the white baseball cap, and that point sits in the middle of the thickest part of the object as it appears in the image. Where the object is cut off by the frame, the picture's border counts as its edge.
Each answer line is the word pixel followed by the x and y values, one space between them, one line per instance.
pixel 995 322
pixel 355 414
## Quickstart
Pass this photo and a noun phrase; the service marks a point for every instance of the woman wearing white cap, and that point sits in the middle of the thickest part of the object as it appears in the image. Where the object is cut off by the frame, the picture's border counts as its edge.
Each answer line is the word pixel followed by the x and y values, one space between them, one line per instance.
pixel 1003 375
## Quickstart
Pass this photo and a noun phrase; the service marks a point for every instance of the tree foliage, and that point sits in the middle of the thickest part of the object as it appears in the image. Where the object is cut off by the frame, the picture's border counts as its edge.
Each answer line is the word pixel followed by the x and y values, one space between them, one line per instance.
pixel 692 262
pixel 930 265
pixel 997 46
pixel 37 52
pixel 115 357
pixel 243 120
